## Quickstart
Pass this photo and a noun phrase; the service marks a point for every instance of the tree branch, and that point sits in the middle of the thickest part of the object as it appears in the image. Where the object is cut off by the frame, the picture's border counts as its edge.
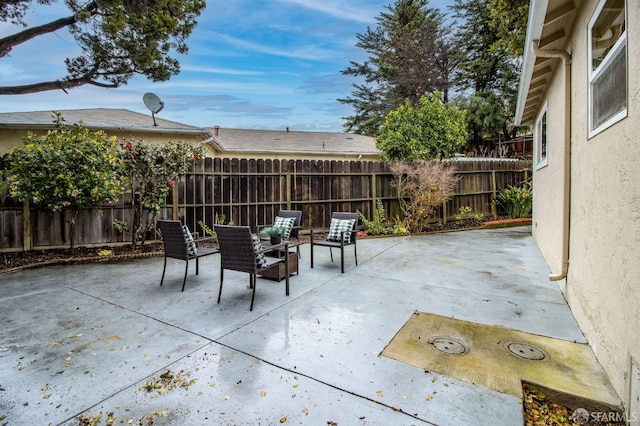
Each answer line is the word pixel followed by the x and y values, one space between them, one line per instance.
pixel 52 85
pixel 7 43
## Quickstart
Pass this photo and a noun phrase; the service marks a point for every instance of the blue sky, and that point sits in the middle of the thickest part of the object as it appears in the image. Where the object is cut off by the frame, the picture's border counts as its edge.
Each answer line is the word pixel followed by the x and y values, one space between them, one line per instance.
pixel 251 64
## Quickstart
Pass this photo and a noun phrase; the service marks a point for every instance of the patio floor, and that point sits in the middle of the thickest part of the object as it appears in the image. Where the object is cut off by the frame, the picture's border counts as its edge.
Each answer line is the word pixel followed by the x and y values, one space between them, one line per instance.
pixel 86 339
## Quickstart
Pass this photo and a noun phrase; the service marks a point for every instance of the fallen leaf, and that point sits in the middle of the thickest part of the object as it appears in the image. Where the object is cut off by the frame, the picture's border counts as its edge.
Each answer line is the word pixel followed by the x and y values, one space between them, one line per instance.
pixel 263 393
pixel 379 393
pixel 283 420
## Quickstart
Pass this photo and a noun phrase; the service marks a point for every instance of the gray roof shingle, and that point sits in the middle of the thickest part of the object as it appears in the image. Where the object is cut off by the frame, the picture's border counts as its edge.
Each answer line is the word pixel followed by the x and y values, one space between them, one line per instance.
pixel 96 118
pixel 243 140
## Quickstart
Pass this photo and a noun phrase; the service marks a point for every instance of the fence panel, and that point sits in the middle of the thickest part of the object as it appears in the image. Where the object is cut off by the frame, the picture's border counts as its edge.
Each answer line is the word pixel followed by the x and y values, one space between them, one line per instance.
pixel 251 192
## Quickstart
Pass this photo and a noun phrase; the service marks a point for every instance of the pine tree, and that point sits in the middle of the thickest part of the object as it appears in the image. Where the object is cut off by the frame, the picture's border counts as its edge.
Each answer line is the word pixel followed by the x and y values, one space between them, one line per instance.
pixel 409 55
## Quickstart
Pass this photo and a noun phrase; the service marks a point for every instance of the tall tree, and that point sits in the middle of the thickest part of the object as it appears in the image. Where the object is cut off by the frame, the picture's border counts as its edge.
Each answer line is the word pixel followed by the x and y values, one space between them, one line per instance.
pixel 408 57
pixel 118 39
pixel 489 65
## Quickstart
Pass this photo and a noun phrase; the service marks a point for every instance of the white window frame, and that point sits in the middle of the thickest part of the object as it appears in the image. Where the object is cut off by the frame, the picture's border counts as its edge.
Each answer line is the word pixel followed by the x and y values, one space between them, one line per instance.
pixel 542 132
pixel 620 44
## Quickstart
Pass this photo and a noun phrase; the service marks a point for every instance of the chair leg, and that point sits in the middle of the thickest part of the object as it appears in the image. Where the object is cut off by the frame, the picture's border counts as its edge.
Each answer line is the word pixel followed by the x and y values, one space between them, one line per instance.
pixel 197 265
pixel 164 269
pixel 342 257
pixel 331 253
pixel 221 278
pixel 312 248
pixel 253 293
pixel 186 269
pixel 355 252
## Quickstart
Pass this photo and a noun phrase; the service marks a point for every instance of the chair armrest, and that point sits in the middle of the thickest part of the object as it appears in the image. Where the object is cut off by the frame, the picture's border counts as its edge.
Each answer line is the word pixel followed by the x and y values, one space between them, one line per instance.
pixel 203 239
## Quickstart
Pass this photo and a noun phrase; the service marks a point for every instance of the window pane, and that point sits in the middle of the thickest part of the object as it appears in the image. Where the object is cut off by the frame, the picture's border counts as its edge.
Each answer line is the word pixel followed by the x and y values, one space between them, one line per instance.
pixel 607 29
pixel 543 137
pixel 609 93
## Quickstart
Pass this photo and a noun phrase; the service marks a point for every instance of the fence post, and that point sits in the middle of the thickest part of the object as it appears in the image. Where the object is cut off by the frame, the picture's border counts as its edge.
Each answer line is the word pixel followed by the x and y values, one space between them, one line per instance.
pixel 288 189
pixel 374 194
pixel 494 194
pixel 26 226
pixel 175 212
pixel 444 212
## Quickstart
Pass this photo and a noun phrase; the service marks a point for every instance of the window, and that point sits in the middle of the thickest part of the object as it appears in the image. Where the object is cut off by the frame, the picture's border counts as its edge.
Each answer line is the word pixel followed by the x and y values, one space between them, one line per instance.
pixel 541 139
pixel 607 66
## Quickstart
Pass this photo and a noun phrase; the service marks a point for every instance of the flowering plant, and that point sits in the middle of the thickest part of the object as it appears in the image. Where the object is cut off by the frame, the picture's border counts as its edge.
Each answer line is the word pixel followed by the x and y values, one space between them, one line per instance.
pixel 516 200
pixel 152 172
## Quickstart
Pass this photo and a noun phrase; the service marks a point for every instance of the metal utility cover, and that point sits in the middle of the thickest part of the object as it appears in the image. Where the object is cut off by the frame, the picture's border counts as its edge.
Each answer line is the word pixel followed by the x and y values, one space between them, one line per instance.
pixel 490 362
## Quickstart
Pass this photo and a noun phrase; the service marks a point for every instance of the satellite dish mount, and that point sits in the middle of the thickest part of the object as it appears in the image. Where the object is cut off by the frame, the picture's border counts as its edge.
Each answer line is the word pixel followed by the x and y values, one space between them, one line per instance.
pixel 154 104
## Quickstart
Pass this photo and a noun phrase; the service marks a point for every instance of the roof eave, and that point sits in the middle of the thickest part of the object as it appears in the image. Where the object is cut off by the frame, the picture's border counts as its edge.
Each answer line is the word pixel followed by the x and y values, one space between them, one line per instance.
pixel 535 24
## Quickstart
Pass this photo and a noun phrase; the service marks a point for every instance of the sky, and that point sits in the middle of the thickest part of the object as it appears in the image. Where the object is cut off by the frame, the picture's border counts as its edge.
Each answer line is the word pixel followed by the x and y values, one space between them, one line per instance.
pixel 252 64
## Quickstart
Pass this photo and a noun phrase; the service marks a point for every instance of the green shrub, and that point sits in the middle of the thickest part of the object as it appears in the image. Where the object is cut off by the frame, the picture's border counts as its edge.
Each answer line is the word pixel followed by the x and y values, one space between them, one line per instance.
pixel 516 200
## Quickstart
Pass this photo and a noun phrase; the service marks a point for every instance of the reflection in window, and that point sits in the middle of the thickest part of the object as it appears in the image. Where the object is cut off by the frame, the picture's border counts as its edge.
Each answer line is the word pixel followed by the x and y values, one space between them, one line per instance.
pixel 541 139
pixel 608 70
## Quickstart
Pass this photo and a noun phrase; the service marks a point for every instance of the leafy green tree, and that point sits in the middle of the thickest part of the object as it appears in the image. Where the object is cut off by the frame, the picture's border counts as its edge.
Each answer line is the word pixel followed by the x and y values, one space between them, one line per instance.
pixel 488 71
pixel 508 18
pixel 118 39
pixel 69 168
pixel 409 55
pixel 151 171
pixel 430 130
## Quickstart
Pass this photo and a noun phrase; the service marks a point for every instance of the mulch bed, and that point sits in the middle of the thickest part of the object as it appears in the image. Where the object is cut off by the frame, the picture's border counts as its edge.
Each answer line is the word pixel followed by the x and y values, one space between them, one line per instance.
pixel 12 261
pixel 543 406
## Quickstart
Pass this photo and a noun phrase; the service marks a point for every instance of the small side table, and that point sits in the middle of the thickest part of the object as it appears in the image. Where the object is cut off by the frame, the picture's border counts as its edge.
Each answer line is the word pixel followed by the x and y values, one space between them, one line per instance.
pixel 280 272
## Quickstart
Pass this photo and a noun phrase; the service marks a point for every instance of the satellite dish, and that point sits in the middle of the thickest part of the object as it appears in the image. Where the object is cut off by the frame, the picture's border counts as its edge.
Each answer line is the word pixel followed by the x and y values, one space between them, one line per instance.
pixel 153 102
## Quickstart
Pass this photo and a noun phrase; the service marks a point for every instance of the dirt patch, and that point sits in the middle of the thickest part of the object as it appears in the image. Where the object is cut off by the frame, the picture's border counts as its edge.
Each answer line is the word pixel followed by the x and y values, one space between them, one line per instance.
pixel 37 258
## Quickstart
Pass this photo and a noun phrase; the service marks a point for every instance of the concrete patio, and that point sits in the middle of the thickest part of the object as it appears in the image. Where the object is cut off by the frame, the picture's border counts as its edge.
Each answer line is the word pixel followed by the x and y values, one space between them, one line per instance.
pixel 85 339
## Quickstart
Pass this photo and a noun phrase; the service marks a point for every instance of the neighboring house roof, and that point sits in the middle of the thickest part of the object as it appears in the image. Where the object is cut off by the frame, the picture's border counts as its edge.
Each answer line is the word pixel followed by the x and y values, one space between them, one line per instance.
pixel 550 23
pixel 287 141
pixel 97 119
pixel 241 141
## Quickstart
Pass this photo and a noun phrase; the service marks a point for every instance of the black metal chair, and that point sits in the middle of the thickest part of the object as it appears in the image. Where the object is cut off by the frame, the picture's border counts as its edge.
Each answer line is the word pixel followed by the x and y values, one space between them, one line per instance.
pixel 297 224
pixel 336 238
pixel 239 252
pixel 176 246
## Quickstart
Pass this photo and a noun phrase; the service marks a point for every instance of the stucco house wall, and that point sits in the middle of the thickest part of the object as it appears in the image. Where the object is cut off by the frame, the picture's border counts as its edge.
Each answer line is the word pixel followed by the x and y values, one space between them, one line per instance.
pixel 602 285
pixel 547 215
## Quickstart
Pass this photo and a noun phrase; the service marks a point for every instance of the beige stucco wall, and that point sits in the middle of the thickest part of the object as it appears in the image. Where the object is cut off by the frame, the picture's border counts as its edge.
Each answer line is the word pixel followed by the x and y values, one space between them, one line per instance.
pixel 603 284
pixel 548 201
pixel 10 138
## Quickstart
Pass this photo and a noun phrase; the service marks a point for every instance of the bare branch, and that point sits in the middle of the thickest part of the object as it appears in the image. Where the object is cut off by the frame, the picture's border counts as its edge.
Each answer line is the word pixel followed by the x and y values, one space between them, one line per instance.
pixel 52 85
pixel 7 43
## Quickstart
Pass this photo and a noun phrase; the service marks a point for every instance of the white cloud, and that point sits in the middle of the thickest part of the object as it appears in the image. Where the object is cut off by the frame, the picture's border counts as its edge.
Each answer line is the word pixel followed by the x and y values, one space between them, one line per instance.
pixel 215 70
pixel 338 9
pixel 308 52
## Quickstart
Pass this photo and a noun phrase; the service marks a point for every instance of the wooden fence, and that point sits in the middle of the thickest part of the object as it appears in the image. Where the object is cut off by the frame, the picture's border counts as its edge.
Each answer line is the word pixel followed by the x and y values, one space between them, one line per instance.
pixel 250 192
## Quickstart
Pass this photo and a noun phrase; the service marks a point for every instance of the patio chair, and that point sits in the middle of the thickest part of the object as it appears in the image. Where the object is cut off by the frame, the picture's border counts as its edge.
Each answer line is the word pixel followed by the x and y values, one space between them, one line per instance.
pixel 179 244
pixel 242 251
pixel 342 233
pixel 281 220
